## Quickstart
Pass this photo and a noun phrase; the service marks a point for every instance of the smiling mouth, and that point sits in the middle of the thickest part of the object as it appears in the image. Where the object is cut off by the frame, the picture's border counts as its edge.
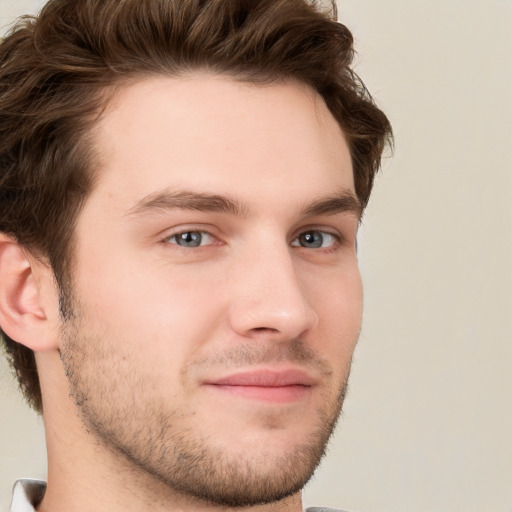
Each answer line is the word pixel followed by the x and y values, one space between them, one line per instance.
pixel 278 387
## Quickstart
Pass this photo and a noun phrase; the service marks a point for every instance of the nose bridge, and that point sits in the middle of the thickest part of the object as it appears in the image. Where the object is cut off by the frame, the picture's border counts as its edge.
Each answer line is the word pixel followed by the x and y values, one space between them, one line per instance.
pixel 267 294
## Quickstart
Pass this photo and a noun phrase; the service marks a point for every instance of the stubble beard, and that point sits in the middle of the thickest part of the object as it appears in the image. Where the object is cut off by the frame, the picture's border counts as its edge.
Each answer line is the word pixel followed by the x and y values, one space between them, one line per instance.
pixel 152 437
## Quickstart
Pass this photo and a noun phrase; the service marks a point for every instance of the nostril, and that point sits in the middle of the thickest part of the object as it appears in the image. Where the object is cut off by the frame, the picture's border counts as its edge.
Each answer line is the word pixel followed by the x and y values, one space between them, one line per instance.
pixel 264 329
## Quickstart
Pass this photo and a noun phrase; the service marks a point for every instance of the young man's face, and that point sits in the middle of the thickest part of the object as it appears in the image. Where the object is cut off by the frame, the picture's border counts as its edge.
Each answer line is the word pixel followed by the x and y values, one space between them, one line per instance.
pixel 217 298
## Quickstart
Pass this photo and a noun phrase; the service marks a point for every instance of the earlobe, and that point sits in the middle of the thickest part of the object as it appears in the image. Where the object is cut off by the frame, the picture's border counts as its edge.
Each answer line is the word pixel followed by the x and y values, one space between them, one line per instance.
pixel 22 313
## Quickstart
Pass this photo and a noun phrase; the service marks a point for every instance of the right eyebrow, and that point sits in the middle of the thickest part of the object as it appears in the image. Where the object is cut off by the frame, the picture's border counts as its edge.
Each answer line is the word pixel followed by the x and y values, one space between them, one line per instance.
pixel 187 200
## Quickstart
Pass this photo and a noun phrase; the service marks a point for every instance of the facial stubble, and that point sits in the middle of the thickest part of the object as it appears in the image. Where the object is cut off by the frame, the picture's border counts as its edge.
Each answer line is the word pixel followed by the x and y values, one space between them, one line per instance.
pixel 150 434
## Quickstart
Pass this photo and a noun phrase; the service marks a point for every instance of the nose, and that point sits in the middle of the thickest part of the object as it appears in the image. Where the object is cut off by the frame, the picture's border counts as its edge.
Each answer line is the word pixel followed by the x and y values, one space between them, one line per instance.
pixel 269 298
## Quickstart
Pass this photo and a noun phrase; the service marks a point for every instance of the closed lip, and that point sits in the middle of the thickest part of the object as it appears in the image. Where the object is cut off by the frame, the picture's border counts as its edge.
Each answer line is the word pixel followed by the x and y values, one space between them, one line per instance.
pixel 265 378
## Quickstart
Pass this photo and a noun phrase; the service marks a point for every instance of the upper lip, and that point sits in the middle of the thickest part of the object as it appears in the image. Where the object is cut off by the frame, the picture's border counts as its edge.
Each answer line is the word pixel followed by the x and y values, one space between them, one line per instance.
pixel 265 378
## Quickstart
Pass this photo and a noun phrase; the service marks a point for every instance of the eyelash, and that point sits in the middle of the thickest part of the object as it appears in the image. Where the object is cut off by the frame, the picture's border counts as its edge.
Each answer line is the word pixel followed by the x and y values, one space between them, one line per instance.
pixel 338 239
pixel 203 232
pixel 334 246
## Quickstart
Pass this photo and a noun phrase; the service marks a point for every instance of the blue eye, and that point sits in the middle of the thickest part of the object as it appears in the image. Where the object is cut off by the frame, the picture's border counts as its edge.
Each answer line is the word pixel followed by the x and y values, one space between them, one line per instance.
pixel 191 239
pixel 314 239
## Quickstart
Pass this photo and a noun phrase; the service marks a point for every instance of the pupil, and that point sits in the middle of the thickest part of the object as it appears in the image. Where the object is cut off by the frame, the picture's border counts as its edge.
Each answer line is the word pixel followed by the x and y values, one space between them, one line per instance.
pixel 312 239
pixel 190 239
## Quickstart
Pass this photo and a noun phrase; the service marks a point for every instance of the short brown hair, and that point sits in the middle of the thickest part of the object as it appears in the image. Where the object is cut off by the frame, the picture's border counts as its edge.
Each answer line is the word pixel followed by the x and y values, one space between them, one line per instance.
pixel 55 68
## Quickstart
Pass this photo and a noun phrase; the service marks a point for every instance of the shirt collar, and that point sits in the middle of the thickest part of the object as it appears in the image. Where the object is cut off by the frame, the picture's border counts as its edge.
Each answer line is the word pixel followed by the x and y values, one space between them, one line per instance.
pixel 26 495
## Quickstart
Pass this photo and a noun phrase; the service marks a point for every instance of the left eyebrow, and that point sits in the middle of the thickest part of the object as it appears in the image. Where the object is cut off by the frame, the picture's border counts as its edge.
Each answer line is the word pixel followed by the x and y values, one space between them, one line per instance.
pixel 345 201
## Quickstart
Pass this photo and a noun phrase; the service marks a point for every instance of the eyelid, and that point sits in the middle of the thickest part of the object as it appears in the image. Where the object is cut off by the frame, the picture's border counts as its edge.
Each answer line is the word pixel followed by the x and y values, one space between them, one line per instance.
pixel 329 230
pixel 338 238
pixel 205 239
pixel 168 234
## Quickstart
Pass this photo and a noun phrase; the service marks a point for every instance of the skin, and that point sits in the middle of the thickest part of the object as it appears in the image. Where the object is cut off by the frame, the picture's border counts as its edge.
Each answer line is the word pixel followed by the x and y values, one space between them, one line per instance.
pixel 136 379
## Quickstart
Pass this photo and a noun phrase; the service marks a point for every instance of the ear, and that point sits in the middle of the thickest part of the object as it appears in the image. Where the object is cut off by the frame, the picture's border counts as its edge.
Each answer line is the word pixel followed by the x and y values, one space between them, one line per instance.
pixel 24 316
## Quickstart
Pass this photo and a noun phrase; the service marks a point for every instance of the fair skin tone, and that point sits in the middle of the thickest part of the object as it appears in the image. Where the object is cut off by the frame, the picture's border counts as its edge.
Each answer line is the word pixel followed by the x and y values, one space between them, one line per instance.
pixel 217 302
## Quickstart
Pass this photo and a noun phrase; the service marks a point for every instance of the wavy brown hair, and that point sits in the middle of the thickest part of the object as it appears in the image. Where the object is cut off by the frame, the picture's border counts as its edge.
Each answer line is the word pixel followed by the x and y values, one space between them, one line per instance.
pixel 56 68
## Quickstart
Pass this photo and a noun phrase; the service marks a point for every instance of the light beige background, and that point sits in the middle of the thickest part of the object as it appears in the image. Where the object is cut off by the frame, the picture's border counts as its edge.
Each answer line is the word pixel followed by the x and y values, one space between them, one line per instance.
pixel 428 422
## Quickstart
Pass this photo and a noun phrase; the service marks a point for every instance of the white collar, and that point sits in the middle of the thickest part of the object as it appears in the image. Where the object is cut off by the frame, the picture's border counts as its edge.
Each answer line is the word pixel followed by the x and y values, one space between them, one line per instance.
pixel 27 494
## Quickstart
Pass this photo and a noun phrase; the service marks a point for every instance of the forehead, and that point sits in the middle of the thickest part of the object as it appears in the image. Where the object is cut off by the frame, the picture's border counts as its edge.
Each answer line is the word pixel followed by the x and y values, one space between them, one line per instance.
pixel 216 134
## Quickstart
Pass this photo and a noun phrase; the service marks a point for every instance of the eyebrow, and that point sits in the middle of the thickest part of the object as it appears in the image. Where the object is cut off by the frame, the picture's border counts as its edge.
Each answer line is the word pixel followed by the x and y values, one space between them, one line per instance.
pixel 343 201
pixel 185 200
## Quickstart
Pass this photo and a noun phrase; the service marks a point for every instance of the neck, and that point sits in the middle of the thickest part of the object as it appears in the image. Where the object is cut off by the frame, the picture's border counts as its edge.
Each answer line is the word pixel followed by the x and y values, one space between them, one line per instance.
pixel 85 475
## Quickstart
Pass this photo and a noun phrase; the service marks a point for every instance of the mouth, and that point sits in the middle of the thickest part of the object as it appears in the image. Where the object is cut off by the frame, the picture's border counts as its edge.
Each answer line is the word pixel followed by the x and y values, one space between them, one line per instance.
pixel 273 386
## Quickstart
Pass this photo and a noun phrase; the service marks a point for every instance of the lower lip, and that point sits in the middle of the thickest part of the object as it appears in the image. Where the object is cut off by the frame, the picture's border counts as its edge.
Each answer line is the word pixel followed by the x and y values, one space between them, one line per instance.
pixel 272 394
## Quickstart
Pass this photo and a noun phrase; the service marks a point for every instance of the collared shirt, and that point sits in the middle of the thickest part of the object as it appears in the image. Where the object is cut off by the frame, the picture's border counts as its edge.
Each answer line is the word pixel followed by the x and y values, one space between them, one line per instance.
pixel 27 495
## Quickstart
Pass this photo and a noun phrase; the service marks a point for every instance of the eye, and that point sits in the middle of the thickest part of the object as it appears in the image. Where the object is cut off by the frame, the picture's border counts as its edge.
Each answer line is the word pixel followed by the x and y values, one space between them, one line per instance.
pixel 315 239
pixel 190 239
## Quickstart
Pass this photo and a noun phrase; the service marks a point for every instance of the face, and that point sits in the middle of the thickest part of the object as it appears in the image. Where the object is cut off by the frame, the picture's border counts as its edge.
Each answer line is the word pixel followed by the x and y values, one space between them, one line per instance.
pixel 217 298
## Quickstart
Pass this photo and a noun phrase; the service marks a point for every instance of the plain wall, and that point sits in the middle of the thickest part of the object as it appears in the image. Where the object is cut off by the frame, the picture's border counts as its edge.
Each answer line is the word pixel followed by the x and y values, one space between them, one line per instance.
pixel 428 421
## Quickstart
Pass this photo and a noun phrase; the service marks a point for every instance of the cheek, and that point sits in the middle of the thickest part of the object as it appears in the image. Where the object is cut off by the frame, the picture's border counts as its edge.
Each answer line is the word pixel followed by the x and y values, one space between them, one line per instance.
pixel 153 306
pixel 339 307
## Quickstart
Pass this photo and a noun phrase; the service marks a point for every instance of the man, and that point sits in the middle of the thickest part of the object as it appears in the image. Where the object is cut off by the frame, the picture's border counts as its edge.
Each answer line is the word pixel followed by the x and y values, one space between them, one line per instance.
pixel 181 187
